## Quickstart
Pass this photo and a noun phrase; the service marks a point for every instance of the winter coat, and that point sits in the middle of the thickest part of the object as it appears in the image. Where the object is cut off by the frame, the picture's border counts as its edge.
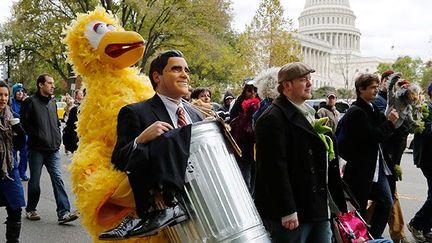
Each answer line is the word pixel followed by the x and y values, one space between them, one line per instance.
pixel 291 166
pixel 40 122
pixel 366 127
pixel 331 113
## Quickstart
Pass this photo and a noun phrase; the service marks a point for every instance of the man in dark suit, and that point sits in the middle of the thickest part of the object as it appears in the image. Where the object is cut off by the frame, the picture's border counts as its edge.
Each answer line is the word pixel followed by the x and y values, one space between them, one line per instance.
pixel 141 126
pixel 367 165
pixel 291 186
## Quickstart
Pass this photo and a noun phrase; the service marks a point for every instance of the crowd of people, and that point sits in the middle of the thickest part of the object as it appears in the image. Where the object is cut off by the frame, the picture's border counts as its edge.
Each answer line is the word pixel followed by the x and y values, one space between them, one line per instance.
pixel 287 162
pixel 30 137
pixel 291 154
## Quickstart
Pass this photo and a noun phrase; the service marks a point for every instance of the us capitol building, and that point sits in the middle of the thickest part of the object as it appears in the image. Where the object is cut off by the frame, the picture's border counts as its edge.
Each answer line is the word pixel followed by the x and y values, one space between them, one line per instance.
pixel 330 43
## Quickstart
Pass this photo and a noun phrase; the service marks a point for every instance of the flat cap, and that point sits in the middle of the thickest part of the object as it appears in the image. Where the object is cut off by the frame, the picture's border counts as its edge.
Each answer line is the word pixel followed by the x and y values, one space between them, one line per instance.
pixel 293 70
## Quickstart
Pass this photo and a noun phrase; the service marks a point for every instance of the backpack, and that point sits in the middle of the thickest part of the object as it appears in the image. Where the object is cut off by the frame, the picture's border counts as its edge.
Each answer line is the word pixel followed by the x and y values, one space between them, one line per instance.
pixel 340 134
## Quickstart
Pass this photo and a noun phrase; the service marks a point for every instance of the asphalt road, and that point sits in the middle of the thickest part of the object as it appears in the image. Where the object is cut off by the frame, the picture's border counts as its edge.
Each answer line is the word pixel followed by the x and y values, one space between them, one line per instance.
pixel 47 230
pixel 412 194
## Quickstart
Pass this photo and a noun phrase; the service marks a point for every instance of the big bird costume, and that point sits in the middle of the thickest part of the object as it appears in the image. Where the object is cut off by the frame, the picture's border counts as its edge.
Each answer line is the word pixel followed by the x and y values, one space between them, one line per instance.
pixel 101 52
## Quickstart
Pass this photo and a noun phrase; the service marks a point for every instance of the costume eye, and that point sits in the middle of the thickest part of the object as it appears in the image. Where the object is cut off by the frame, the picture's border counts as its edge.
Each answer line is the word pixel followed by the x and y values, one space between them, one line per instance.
pixel 101 28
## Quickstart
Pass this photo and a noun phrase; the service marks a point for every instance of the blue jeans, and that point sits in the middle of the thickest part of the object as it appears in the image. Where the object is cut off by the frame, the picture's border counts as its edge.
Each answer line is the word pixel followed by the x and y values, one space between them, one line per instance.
pixel 423 218
pixel 305 232
pixel 51 160
pixel 22 163
pixel 380 241
pixel 382 196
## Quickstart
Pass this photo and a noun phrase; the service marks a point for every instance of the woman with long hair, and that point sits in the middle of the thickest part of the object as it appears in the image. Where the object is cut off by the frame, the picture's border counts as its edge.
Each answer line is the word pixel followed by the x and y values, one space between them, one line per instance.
pixel 11 189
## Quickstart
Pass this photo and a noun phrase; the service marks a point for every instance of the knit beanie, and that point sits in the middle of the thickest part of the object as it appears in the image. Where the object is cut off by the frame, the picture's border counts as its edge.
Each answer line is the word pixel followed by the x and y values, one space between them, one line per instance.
pixel 17 87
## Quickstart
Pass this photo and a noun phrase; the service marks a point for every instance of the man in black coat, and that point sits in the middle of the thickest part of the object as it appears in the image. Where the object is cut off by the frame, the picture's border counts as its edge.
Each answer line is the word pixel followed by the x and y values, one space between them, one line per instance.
pixel 366 169
pixel 40 121
pixel 141 127
pixel 291 187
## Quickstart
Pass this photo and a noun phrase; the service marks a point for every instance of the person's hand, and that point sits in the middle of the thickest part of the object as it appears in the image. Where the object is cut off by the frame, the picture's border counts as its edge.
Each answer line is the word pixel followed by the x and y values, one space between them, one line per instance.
pixel 290 223
pixel 398 172
pixel 153 131
pixel 393 116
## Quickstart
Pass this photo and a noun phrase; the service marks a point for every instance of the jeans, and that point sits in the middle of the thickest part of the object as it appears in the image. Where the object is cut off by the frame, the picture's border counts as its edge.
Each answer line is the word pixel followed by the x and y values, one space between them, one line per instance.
pixel 380 241
pixel 423 218
pixel 51 160
pixel 248 172
pixel 382 196
pixel 305 232
pixel 22 163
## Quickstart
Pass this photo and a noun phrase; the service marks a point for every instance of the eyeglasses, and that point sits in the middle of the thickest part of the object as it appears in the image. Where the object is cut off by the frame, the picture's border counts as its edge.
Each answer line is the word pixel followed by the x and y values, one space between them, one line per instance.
pixel 304 79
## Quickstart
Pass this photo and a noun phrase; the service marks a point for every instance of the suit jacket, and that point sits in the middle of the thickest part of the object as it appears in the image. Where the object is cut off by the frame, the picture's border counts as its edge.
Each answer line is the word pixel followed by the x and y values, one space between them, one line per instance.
pixel 138 162
pixel 132 120
pixel 292 165
pixel 366 127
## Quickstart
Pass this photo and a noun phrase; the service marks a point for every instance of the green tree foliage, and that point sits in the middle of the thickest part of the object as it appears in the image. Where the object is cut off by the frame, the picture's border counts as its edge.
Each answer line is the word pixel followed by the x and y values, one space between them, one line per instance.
pixel 427 74
pixel 268 40
pixel 346 93
pixel 410 68
pixel 207 40
pixel 322 92
pixel 35 29
pixel 382 67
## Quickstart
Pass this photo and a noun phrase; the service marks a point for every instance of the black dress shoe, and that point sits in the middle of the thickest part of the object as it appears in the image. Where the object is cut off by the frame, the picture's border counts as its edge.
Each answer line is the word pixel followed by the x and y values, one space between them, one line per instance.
pixel 166 217
pixel 121 231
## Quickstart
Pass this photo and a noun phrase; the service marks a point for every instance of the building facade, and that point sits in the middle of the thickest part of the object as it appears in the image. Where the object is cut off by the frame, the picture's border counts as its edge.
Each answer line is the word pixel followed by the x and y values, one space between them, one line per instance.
pixel 330 43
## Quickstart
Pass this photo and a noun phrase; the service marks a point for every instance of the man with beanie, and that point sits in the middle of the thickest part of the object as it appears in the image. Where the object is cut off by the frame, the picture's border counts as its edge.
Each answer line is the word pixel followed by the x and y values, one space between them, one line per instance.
pixel 420 226
pixel 292 163
pixel 18 96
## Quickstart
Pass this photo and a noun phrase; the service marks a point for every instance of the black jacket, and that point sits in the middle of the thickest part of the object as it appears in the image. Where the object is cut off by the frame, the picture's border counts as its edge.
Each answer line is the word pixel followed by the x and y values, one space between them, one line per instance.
pixel 40 121
pixel 292 166
pixel 70 135
pixel 423 143
pixel 366 127
pixel 138 162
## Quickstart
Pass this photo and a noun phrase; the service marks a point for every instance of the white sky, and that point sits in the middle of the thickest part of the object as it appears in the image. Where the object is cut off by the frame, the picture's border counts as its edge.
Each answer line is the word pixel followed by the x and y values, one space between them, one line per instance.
pixel 404 24
pixel 5 6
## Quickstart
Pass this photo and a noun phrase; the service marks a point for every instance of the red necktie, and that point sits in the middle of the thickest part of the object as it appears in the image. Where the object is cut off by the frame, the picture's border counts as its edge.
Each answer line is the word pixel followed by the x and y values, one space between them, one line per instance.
pixel 181 117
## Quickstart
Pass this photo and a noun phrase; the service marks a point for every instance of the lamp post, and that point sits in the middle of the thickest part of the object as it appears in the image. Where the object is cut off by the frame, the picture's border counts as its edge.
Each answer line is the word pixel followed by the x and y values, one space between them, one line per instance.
pixel 8 46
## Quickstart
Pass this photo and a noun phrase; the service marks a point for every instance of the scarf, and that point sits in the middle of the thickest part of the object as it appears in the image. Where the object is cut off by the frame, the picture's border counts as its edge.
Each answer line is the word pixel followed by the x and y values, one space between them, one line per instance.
pixel 6 145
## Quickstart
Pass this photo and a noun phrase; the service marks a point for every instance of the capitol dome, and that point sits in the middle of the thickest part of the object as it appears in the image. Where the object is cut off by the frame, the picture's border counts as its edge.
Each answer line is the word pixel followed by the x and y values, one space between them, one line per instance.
pixel 332 21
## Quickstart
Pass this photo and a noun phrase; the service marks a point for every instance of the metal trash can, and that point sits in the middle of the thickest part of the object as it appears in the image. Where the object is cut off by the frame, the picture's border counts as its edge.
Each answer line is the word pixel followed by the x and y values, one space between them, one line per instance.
pixel 217 198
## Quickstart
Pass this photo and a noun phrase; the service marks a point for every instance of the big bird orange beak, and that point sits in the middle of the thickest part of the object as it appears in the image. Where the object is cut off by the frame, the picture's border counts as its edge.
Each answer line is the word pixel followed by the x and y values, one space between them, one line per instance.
pixel 121 48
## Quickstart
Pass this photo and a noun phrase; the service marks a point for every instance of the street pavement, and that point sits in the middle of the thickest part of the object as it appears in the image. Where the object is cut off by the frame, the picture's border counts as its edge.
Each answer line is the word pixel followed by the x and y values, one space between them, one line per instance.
pixel 412 194
pixel 47 230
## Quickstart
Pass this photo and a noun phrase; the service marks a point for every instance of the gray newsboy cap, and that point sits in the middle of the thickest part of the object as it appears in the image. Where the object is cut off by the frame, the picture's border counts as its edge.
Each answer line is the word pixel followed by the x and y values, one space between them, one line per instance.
pixel 293 70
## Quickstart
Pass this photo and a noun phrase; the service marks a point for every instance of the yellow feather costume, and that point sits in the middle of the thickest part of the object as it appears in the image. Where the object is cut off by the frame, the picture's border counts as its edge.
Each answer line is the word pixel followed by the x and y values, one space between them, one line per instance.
pixel 101 53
